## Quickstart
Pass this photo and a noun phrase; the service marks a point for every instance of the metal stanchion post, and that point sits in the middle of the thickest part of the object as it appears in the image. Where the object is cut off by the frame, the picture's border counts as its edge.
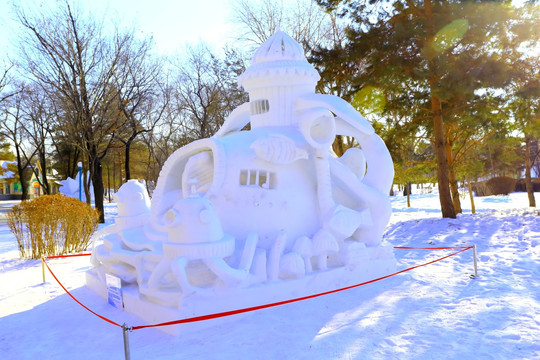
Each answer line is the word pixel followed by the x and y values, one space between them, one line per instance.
pixel 475 266
pixel 474 263
pixel 43 268
pixel 79 165
pixel 125 330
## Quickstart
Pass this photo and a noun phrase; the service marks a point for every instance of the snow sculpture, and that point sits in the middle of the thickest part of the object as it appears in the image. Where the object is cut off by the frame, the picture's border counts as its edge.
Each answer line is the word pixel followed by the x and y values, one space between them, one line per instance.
pixel 70 187
pixel 252 217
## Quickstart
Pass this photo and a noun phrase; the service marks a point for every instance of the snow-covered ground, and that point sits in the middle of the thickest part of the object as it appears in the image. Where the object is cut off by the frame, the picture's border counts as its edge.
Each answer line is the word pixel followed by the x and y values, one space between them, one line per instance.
pixel 433 312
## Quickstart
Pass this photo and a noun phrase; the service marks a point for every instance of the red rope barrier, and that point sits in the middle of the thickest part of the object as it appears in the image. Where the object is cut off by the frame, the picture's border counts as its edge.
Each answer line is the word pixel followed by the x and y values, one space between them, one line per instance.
pixel 65 256
pixel 66 290
pixel 260 307
pixel 432 248
pixel 240 311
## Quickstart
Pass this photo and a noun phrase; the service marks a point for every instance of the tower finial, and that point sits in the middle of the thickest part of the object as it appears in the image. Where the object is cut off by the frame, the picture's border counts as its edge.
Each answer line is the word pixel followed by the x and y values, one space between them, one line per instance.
pixel 276 61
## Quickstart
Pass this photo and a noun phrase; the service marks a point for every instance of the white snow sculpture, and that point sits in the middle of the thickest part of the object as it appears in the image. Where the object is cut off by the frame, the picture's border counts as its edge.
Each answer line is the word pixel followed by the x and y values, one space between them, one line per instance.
pixel 70 187
pixel 252 217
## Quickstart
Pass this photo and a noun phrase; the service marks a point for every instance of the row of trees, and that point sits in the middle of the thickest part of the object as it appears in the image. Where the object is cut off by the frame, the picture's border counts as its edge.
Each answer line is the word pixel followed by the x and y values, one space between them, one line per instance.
pixel 446 84
pixel 87 89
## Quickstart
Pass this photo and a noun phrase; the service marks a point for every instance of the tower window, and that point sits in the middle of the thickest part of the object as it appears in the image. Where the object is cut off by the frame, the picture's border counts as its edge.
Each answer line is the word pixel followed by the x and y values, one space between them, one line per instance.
pixel 259 106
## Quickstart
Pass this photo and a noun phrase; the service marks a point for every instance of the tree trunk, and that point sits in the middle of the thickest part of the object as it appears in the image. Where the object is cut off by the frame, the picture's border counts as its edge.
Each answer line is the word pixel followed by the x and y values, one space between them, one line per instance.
pixel 44 181
pixel 97 180
pixel 20 170
pixel 72 165
pixel 407 191
pixel 86 183
pixel 473 208
pixel 337 146
pixel 454 188
pixel 126 165
pixel 109 182
pixel 24 183
pixel 24 189
pixel 445 197
pixel 528 165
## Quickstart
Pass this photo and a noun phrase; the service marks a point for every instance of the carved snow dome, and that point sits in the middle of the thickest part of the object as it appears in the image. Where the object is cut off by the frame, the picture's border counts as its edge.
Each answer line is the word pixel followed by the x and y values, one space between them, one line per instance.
pixel 279 72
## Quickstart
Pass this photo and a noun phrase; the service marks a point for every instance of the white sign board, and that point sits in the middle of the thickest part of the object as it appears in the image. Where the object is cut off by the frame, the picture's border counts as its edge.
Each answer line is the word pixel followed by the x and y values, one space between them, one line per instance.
pixel 114 291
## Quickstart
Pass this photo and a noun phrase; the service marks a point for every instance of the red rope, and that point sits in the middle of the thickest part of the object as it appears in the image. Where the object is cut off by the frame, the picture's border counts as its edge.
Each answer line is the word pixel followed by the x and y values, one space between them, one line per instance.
pixel 73 297
pixel 432 248
pixel 65 256
pixel 260 307
pixel 240 311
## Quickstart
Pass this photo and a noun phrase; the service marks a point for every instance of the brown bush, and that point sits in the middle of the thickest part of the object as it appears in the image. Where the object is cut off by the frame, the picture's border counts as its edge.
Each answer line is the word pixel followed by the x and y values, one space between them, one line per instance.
pixel 520 185
pixel 501 185
pixel 52 225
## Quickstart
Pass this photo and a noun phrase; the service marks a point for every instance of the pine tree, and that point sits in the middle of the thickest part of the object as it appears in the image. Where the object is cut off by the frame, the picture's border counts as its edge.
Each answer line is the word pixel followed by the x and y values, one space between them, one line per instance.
pixel 429 57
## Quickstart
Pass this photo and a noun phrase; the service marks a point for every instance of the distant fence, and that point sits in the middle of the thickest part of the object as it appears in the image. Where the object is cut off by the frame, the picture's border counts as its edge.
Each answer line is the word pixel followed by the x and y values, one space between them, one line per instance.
pixel 520 185
pixel 10 197
pixel 503 185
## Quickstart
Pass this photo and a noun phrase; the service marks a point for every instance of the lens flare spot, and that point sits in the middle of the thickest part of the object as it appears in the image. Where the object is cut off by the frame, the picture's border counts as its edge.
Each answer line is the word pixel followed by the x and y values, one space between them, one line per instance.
pixel 369 100
pixel 450 35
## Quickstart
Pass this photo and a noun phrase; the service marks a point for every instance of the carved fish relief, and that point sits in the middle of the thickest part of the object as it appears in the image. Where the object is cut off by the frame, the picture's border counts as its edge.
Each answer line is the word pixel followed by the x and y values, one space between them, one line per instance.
pixel 278 149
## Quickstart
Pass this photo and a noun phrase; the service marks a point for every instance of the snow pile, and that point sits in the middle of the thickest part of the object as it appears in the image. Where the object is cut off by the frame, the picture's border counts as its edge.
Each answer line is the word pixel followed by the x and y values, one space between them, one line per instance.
pixel 433 312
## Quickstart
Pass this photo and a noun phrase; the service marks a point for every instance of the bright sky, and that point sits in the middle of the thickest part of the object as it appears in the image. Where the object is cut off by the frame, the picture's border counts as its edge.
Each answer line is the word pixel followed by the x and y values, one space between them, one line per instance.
pixel 173 23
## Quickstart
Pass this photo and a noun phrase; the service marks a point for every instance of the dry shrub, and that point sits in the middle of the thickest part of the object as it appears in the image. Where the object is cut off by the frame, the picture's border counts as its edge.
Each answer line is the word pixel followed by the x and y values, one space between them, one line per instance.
pixel 520 185
pixel 480 188
pixel 502 185
pixel 52 225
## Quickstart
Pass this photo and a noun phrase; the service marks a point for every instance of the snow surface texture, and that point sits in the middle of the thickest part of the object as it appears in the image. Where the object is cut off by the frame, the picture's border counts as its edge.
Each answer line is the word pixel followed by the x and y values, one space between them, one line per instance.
pixel 433 312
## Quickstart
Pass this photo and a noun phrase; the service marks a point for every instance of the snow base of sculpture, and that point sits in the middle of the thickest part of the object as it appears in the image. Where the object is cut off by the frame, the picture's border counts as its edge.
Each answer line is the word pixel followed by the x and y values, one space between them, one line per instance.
pixel 377 263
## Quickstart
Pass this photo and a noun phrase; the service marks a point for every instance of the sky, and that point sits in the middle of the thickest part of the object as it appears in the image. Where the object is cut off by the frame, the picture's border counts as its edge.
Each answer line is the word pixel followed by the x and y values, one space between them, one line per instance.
pixel 173 24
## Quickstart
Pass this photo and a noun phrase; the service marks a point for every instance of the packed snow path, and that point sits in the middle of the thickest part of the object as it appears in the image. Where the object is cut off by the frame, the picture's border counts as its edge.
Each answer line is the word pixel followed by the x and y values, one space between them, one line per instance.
pixel 434 312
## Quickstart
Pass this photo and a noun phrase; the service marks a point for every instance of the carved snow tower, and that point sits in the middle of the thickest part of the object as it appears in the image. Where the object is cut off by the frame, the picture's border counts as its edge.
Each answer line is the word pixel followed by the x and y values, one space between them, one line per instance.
pixel 250 217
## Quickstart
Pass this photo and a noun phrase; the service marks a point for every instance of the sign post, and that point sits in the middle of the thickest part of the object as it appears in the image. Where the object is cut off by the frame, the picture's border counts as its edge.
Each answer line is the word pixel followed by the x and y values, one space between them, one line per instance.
pixel 79 164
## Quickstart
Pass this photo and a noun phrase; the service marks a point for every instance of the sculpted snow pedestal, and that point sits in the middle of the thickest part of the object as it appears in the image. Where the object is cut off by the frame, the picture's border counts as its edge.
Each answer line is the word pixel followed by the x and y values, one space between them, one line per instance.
pixel 251 217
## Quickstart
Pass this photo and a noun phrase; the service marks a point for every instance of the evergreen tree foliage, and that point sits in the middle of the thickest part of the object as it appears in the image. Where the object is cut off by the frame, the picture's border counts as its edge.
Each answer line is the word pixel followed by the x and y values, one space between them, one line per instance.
pixel 5 150
pixel 434 62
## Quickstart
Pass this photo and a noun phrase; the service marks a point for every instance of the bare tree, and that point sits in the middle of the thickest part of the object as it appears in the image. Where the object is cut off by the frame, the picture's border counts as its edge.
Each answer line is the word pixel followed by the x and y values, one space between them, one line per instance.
pixel 164 138
pixel 13 129
pixel 5 80
pixel 38 117
pixel 71 56
pixel 205 91
pixel 137 82
pixel 5 152
pixel 303 20
pixel 65 154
